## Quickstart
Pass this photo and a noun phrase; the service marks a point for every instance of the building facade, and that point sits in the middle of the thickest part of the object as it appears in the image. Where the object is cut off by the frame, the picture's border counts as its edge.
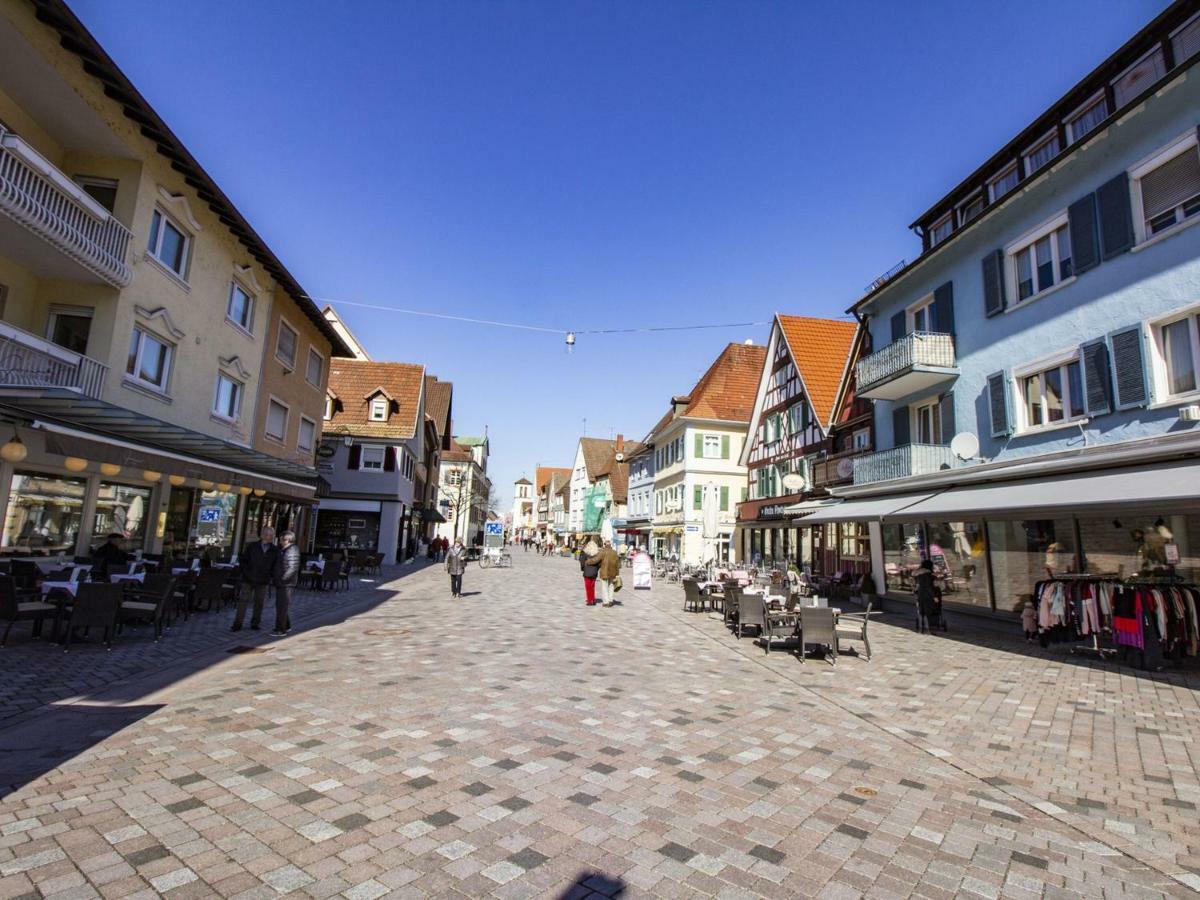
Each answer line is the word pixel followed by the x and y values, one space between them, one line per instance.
pixel 523 515
pixel 639 518
pixel 465 490
pixel 547 481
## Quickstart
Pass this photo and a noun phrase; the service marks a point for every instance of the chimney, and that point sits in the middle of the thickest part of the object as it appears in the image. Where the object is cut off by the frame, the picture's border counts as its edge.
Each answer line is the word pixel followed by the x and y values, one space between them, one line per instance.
pixel 620 443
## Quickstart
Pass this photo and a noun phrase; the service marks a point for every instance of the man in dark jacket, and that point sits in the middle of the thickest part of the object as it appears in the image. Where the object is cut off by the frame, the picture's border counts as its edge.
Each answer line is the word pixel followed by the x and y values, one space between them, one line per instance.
pixel 609 566
pixel 289 573
pixel 110 554
pixel 258 561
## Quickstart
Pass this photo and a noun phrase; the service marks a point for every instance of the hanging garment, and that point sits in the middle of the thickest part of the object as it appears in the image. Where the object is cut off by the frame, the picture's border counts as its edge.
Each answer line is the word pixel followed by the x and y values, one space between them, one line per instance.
pixel 1127 618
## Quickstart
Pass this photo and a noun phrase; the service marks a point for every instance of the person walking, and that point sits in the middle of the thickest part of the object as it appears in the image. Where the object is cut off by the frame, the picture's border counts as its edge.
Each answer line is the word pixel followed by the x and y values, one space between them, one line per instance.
pixel 609 569
pixel 456 564
pixel 258 561
pixel 589 574
pixel 926 602
pixel 288 566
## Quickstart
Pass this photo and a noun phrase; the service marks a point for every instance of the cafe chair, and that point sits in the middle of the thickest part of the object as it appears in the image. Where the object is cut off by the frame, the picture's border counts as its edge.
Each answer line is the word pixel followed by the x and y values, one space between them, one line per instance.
pixel 149 604
pixel 854 627
pixel 96 605
pixel 817 626
pixel 693 599
pixel 733 597
pixel 14 609
pixel 751 613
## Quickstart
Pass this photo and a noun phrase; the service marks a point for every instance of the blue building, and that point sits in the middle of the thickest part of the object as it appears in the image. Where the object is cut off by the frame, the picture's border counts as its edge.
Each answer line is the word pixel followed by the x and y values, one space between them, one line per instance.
pixel 1052 323
pixel 639 516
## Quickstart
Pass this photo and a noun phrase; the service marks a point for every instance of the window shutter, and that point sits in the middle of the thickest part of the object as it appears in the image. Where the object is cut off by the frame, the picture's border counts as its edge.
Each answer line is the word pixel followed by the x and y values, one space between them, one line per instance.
pixel 900 427
pixel 724 446
pixel 1176 180
pixel 389 459
pixel 1097 381
pixel 1085 239
pixel 946 414
pixel 699 445
pixel 356 457
pixel 1129 367
pixel 943 308
pixel 993 283
pixel 998 405
pixel 1116 220
pixel 698 497
pixel 724 498
pixel 899 321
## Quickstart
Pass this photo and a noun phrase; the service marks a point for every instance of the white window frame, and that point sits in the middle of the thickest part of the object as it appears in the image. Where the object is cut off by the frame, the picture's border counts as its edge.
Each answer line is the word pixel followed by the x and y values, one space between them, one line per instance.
pixel 63 309
pixel 1069 122
pixel 711 446
pixel 1037 145
pixel 313 351
pixel 372 449
pixel 328 414
pixel 925 304
pixel 960 211
pixel 300 434
pixel 156 250
pixel 287 415
pixel 1039 367
pixel 239 389
pixel 1182 144
pixel 290 365
pixel 861 439
pixel 947 219
pixel 1011 168
pixel 1025 243
pixel 251 303
pixel 934 408
pixel 1158 354
pixel 378 410
pixel 135 376
pixel 1156 49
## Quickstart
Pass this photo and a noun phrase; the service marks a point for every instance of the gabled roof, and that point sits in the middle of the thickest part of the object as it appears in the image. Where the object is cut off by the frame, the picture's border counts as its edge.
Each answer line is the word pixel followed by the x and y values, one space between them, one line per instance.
pixel 596 455
pixel 545 475
pixel 438 398
pixel 522 481
pixel 820 349
pixel 468 441
pixel 356 381
pixel 457 453
pixel 726 391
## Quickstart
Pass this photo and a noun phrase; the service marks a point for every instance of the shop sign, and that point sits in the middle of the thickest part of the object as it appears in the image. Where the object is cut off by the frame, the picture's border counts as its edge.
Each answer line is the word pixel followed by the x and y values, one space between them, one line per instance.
pixel 325 451
pixel 775 511
pixel 693 529
pixel 1171 552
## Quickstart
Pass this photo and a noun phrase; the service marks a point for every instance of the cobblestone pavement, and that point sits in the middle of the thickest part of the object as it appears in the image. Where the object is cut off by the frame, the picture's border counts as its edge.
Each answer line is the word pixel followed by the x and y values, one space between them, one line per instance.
pixel 516 743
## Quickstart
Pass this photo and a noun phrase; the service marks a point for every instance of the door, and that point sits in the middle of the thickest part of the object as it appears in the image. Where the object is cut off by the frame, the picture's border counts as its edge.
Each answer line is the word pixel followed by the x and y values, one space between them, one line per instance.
pixel 69 326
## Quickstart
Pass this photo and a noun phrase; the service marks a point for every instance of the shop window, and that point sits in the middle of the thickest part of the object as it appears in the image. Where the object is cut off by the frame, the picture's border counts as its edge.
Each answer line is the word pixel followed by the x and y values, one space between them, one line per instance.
pixel 123 509
pixel 855 541
pixel 1026 552
pixel 1140 544
pixel 903 546
pixel 149 361
pixel 957 552
pixel 44 513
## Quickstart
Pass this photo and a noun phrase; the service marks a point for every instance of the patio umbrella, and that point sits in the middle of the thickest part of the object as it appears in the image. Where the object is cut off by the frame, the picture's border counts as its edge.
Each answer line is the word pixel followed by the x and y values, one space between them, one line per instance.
pixel 709 513
pixel 133 517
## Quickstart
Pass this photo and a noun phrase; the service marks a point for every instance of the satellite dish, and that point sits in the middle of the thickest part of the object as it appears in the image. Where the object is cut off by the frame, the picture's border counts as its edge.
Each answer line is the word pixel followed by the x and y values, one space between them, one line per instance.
pixel 845 468
pixel 620 457
pixel 965 445
pixel 794 481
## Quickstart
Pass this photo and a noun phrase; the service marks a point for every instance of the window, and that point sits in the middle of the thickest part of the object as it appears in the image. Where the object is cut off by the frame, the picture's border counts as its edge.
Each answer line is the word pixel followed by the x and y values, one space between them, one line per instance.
pixel 970 209
pixel 102 190
pixel 1186 40
pixel 1168 187
pixel 285 344
pixel 69 326
pixel 712 446
pixel 1087 118
pixel 1138 77
pixel 149 360
pixel 306 437
pixel 372 458
pixel 328 408
pixel 1041 260
pixel 1037 156
pixel 315 368
pixel 940 230
pixel 920 315
pixel 927 423
pixel 277 416
pixel 168 243
pixel 1052 395
pixel 861 439
pixel 227 400
pixel 241 307
pixel 379 409
pixel 454 477
pixel 1178 351
pixel 1003 183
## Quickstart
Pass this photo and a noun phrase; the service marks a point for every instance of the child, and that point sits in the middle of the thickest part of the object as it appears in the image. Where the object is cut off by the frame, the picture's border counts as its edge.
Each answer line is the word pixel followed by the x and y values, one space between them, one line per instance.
pixel 1029 621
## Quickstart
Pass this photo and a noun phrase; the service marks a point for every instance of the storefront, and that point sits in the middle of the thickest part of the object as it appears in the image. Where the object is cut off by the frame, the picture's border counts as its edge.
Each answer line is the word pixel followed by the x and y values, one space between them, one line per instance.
pixel 201 523
pixel 347 525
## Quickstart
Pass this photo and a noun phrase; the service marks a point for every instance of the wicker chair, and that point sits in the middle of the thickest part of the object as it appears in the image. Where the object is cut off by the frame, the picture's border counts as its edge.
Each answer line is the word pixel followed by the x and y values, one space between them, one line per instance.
pixel 817 627
pixel 693 598
pixel 96 604
pixel 854 627
pixel 22 607
pixel 149 604
pixel 733 597
pixel 751 613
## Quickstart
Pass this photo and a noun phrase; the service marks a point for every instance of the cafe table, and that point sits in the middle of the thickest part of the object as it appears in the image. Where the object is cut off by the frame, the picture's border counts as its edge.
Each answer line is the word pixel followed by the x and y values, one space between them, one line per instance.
pixel 139 577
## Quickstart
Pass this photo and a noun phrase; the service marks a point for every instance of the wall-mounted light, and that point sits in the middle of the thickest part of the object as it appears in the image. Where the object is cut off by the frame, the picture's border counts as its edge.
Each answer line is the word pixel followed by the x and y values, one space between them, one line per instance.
pixel 259 492
pixel 176 480
pixel 110 469
pixel 223 487
pixel 205 485
pixel 151 475
pixel 75 464
pixel 244 490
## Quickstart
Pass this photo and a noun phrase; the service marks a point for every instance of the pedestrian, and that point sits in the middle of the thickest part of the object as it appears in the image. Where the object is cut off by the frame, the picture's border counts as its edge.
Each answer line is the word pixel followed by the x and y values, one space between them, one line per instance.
pixel 288 566
pixel 110 554
pixel 609 566
pixel 257 561
pixel 1029 621
pixel 926 604
pixel 525 544
pixel 590 572
pixel 456 564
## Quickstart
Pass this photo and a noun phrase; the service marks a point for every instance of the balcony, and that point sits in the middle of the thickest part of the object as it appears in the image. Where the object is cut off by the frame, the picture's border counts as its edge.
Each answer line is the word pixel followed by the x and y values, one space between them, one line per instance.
pixel 52 225
pixel 837 468
pixel 30 362
pixel 915 363
pixel 904 462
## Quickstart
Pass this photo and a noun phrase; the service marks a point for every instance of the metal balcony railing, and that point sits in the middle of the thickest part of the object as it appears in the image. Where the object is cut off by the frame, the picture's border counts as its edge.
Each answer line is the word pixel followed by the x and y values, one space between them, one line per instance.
pixel 28 361
pixel 837 468
pixel 904 462
pixel 920 348
pixel 36 194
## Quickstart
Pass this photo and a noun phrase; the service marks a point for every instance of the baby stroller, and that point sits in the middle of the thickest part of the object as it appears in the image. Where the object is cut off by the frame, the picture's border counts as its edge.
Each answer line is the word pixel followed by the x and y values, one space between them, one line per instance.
pixel 937 618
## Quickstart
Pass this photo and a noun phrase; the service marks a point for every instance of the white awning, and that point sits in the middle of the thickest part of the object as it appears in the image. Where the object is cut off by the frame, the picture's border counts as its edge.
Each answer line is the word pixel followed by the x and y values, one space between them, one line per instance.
pixel 872 510
pixel 1163 487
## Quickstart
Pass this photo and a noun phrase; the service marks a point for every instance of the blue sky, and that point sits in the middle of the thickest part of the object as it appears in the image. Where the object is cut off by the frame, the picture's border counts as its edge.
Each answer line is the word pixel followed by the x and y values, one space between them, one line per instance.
pixel 582 165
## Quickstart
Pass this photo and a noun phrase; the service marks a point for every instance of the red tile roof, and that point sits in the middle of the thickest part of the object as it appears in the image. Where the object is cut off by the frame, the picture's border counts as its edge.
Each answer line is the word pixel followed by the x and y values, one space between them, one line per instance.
pixel 821 349
pixel 354 381
pixel 544 474
pixel 438 397
pixel 727 390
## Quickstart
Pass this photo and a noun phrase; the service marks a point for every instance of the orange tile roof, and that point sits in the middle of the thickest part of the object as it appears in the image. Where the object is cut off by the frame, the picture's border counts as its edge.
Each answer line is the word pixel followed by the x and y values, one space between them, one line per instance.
pixel 820 348
pixel 354 381
pixel 544 474
pixel 438 397
pixel 727 390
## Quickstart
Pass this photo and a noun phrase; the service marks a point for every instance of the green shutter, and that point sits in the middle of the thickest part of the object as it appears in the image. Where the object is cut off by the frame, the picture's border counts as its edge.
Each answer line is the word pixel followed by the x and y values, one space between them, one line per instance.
pixel 699 445
pixel 745 494
pixel 724 499
pixel 698 496
pixel 724 446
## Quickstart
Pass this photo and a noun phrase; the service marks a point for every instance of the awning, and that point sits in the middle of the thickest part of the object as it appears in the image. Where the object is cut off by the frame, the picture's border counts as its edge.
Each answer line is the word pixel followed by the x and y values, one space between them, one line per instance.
pixel 873 510
pixel 431 515
pixel 812 507
pixel 333 504
pixel 1161 487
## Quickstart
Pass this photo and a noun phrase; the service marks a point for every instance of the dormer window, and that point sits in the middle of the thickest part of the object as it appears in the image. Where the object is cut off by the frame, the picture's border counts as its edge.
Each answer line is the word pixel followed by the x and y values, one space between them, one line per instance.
pixel 379 409
pixel 1037 156
pixel 941 230
pixel 1087 118
pixel 1003 183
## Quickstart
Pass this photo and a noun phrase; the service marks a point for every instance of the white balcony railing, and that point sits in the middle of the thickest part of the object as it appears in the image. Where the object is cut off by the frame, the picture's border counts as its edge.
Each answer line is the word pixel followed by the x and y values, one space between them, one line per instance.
pixel 904 462
pixel 920 348
pixel 36 194
pixel 28 361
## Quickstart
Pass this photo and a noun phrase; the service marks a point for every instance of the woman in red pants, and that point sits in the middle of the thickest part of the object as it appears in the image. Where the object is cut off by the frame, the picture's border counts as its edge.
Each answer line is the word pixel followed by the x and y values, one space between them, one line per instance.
pixel 589 573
